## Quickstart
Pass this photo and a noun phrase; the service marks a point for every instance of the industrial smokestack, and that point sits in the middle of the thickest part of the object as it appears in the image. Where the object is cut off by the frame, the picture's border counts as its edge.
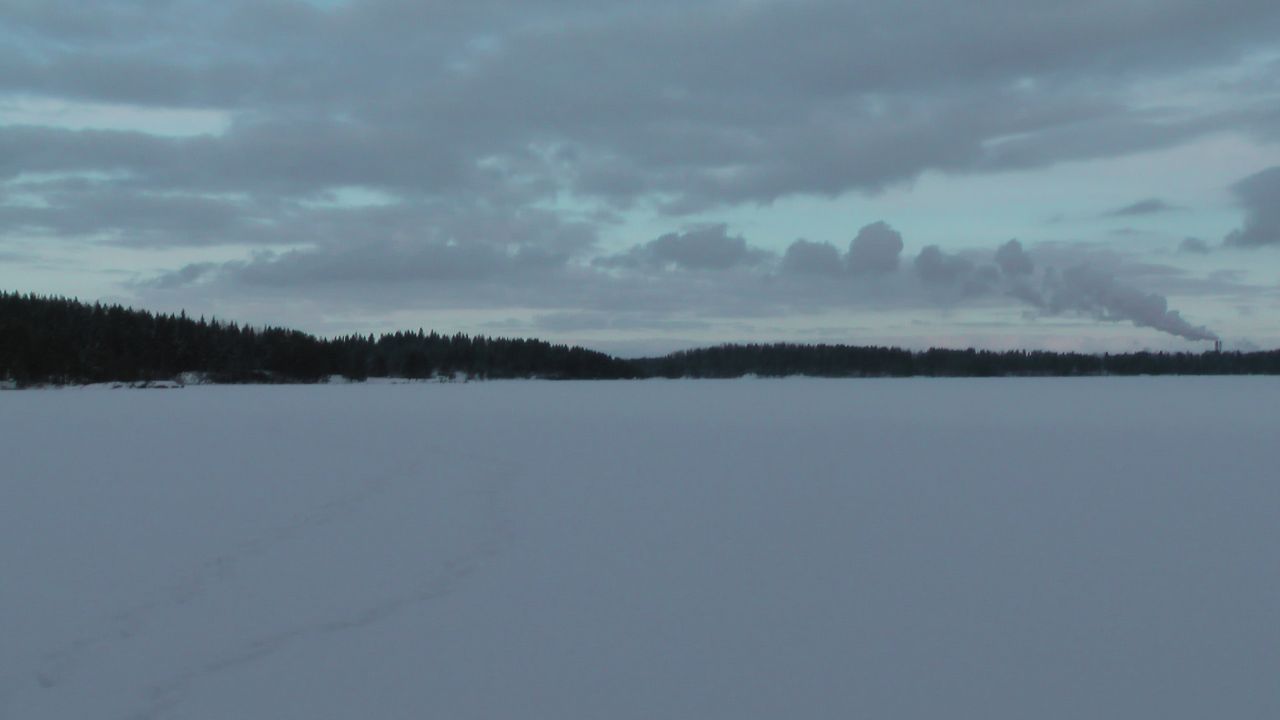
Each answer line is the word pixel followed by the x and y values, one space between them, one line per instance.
pixel 1217 346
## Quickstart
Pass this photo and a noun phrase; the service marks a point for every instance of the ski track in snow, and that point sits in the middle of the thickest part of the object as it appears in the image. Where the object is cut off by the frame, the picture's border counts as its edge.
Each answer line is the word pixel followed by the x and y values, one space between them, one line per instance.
pixel 58 667
pixel 125 624
pixel 167 695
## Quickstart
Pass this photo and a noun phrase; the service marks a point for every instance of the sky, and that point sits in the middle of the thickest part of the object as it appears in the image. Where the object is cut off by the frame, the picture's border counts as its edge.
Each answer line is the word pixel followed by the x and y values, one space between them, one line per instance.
pixel 641 177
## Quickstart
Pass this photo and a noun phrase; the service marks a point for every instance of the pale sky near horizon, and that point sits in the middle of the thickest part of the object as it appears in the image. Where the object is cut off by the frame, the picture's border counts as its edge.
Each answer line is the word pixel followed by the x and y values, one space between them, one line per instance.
pixel 642 177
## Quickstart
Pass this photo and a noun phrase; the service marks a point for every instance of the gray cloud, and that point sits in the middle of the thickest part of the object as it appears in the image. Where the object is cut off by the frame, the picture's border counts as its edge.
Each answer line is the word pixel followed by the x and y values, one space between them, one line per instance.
pixel 951 277
pixel 78 208
pixel 721 45
pixel 385 276
pixel 938 268
pixel 679 280
pixel 707 105
pixel 708 248
pixel 450 253
pixel 1012 260
pixel 1260 196
pixel 811 258
pixel 417 263
pixel 594 320
pixel 184 276
pixel 1150 206
pixel 1193 246
pixel 875 250
pixel 27 149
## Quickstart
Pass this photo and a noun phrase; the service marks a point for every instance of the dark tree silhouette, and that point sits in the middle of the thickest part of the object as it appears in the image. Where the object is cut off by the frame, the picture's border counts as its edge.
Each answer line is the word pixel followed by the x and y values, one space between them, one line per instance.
pixel 59 341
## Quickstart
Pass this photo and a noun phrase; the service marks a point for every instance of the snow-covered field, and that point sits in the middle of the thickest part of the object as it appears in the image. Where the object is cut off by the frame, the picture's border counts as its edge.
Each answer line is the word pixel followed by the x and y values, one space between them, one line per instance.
pixel 1092 548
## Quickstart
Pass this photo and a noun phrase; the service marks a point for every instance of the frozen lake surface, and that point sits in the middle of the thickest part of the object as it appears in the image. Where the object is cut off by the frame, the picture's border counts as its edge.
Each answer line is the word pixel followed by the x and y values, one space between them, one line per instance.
pixel 1022 548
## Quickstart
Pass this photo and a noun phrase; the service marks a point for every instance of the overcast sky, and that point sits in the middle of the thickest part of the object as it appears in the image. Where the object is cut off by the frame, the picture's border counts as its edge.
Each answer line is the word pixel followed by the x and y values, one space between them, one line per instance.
pixel 644 176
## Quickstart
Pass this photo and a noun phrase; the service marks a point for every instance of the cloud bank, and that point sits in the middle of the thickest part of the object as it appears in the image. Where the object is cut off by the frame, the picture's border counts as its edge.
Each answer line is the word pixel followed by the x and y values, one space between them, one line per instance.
pixel 711 273
pixel 473 154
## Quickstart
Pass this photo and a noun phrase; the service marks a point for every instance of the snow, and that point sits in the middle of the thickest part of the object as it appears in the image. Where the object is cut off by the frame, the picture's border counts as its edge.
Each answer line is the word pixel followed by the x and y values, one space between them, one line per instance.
pixel 1034 548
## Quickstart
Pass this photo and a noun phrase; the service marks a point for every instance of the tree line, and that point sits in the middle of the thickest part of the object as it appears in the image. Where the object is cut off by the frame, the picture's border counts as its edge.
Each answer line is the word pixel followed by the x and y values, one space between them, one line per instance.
pixel 784 359
pixel 63 341
pixel 51 340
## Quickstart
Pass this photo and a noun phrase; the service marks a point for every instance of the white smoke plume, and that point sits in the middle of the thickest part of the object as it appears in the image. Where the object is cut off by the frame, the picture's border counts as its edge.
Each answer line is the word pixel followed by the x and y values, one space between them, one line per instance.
pixel 1080 289
pixel 1090 291
pixel 1087 290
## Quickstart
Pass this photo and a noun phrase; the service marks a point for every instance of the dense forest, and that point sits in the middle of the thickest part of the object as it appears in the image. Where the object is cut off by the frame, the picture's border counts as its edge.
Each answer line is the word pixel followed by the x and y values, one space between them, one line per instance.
pixel 60 341
pixel 55 340
pixel 777 360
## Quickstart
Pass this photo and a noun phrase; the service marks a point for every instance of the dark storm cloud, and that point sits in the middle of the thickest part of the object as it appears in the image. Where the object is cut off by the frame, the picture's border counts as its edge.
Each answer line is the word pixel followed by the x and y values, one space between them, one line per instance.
pixel 1260 196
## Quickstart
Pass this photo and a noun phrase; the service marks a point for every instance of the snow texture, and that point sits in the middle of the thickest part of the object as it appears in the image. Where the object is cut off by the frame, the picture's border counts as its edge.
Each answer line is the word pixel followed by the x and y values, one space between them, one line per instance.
pixel 1040 548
